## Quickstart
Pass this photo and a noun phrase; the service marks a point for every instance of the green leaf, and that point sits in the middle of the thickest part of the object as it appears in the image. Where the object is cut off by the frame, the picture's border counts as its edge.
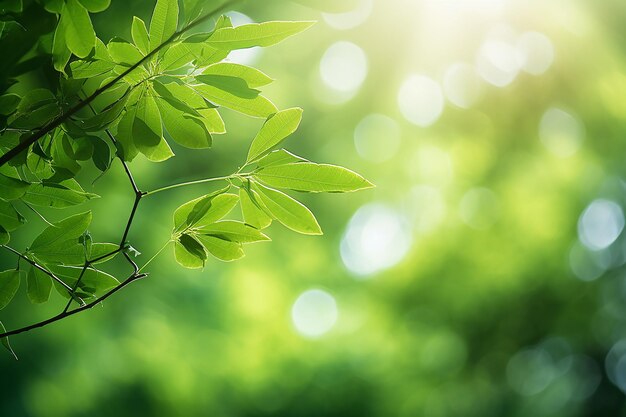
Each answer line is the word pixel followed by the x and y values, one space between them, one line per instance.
pixel 89 69
pixel 123 52
pixel 65 194
pixel 5 237
pixel 70 228
pixel 177 56
pixel 148 131
pixel 125 145
pixel 308 176
pixel 224 250
pixel 252 212
pixel 279 157
pixel 288 211
pixel 101 154
pixel 92 283
pixel 5 341
pixel 39 286
pixel 256 34
pixel 79 32
pixel 10 219
pixel 163 23
pixel 184 128
pixel 95 6
pixel 9 284
pixel 252 76
pixel 234 231
pixel 64 252
pixel 237 97
pixel 140 35
pixel 274 131
pixel 189 252
pixel 60 52
pixel 8 103
pixel 204 210
pixel 98 250
pixel 12 188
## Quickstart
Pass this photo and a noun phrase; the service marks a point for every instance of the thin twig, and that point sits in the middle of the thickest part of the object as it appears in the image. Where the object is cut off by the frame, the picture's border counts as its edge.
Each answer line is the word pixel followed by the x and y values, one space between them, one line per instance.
pixel 65 314
pixel 41 268
pixel 185 184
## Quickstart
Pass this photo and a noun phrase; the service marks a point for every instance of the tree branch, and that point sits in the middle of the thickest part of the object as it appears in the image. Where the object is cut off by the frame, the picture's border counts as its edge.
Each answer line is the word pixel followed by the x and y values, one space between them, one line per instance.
pixel 64 314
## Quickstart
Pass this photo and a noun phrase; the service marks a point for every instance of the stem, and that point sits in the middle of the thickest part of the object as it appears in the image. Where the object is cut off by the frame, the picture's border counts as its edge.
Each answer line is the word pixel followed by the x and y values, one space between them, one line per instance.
pixel 57 121
pixel 155 256
pixel 41 268
pixel 65 314
pixel 185 184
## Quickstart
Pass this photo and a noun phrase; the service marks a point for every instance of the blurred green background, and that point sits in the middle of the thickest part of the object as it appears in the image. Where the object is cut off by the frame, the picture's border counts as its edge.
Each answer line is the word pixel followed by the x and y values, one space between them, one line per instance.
pixel 484 276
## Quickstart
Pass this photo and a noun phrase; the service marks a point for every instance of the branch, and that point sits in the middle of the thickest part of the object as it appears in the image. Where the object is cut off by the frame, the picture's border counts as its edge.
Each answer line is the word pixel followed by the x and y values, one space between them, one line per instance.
pixel 42 269
pixel 57 121
pixel 64 314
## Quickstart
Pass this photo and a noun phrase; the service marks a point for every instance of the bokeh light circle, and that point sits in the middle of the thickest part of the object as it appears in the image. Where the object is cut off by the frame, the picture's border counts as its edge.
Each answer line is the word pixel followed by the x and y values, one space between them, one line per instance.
pixel 344 67
pixel 560 132
pixel 600 224
pixel 352 18
pixel 314 313
pixel 536 52
pixel 461 85
pixel 421 100
pixel 498 62
pixel 377 238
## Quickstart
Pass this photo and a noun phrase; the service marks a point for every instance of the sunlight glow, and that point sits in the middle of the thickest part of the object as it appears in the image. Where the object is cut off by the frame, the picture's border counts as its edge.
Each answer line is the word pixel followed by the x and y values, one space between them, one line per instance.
pixel 560 132
pixel 536 52
pixel 462 85
pixel 377 238
pixel 344 67
pixel 498 62
pixel 600 224
pixel 420 100
pixel 352 18
pixel 314 313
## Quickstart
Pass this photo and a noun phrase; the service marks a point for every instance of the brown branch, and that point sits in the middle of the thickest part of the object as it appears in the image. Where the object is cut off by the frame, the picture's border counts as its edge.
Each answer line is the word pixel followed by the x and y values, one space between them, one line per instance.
pixel 64 314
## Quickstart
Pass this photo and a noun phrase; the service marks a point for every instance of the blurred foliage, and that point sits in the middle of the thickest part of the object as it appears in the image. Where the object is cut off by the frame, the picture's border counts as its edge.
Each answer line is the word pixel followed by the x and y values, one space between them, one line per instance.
pixel 498 304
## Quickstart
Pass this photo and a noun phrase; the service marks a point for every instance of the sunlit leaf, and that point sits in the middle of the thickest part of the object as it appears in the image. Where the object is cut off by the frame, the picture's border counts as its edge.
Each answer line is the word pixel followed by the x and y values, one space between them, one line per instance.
pixel 256 34
pixel 224 250
pixel 163 23
pixel 140 35
pixel 278 127
pixel 291 213
pixel 204 210
pixel 308 176
pixel 252 212
pixel 79 32
pixel 189 252
pixel 234 231
pixel 252 76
